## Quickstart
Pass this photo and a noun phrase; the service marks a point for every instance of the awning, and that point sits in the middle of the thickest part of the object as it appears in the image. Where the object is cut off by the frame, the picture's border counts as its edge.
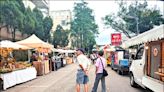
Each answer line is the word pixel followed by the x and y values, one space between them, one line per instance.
pixel 148 36
pixel 9 44
pixel 34 42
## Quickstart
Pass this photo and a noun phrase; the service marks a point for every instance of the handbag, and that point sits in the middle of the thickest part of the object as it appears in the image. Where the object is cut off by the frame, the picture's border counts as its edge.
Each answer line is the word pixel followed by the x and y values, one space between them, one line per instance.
pixel 105 73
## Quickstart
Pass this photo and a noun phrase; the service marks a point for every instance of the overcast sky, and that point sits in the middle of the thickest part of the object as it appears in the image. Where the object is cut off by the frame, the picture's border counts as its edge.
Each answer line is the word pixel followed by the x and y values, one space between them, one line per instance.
pixel 100 9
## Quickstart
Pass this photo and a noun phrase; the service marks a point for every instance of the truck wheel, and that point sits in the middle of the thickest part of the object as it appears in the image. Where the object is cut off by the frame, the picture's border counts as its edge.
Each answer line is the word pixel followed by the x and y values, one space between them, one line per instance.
pixel 122 72
pixel 132 82
pixel 119 72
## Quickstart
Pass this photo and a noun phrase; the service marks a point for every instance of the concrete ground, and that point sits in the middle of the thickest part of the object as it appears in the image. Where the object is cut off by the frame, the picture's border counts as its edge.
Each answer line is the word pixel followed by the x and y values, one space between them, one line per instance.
pixel 64 80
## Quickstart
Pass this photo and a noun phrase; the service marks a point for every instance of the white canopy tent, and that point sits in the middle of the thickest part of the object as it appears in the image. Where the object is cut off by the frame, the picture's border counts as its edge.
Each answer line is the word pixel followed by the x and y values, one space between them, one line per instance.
pixel 34 42
pixel 151 35
pixel 9 44
pixel 63 51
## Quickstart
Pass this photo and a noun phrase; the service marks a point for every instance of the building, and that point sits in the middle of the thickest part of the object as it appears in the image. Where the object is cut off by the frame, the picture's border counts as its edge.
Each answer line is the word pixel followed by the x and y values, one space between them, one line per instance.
pixel 6 34
pixel 61 17
pixel 42 5
pixel 28 3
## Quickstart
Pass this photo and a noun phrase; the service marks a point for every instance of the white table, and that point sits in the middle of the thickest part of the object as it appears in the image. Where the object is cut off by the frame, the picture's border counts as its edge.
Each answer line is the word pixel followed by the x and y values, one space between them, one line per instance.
pixel 19 76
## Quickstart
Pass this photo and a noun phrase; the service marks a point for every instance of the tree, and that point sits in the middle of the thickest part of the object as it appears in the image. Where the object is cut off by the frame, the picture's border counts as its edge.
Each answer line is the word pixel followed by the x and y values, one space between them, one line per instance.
pixel 128 17
pixel 15 16
pixel 47 24
pixel 60 37
pixel 11 15
pixel 39 29
pixel 29 22
pixel 83 26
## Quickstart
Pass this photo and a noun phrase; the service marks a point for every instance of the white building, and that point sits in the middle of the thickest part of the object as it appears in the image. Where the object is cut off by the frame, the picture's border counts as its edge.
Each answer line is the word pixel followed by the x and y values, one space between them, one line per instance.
pixel 42 5
pixel 61 17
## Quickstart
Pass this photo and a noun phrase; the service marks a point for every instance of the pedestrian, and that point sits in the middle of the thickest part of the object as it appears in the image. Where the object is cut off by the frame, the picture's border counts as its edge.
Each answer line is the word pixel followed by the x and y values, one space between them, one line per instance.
pixel 100 64
pixel 83 68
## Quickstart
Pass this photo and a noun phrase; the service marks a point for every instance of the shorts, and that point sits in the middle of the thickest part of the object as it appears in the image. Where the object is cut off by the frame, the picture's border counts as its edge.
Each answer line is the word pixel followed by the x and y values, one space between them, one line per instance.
pixel 81 78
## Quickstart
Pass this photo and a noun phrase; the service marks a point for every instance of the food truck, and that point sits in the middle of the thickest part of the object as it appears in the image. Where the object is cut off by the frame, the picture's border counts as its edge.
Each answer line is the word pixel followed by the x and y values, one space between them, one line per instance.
pixel 120 61
pixel 147 67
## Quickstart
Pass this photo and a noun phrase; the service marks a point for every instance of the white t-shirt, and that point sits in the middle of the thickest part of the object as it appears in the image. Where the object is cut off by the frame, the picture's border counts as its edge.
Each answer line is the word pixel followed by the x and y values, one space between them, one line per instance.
pixel 84 61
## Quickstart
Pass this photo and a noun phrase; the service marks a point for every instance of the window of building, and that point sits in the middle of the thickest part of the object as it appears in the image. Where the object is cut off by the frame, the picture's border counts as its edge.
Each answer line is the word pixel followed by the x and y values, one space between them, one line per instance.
pixel 63 22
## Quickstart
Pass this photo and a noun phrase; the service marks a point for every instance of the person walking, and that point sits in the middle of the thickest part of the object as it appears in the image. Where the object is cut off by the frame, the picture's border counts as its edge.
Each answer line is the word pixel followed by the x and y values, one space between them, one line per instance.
pixel 100 64
pixel 82 73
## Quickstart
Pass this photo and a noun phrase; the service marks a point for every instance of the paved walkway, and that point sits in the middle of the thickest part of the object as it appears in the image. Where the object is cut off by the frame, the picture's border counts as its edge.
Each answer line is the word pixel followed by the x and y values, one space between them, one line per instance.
pixel 63 80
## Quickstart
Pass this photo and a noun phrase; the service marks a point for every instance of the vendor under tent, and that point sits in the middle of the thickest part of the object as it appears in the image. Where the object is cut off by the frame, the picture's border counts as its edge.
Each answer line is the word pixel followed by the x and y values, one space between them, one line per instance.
pixel 67 55
pixel 11 71
pixel 43 66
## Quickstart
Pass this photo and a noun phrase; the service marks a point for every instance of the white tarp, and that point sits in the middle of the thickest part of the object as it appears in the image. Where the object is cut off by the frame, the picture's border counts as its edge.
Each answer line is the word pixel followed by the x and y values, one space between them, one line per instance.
pixel 9 44
pixel 34 42
pixel 151 35
pixel 63 51
pixel 17 77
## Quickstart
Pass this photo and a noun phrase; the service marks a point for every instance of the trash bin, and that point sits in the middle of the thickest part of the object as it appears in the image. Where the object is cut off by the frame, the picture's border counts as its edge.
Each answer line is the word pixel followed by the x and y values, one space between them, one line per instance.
pixel 58 64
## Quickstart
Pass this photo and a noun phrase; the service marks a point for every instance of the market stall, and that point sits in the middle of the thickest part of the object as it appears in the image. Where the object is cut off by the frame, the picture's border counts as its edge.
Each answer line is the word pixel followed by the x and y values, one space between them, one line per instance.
pixel 16 77
pixel 67 55
pixel 13 72
pixel 42 48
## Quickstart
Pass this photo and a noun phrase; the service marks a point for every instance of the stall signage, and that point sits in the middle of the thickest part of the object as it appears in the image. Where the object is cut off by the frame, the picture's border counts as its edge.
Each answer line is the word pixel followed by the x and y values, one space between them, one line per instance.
pixel 116 39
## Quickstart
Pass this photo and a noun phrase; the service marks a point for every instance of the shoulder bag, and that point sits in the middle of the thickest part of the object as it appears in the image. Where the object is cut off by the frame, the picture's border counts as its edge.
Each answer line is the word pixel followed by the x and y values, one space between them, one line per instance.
pixel 105 73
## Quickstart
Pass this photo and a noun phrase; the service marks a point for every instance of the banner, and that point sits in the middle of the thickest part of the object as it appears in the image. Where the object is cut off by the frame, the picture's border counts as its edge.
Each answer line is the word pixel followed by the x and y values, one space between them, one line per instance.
pixel 116 39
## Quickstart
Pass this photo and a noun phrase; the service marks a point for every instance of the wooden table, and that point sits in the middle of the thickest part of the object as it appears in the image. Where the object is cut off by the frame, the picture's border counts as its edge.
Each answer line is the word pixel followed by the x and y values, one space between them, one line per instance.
pixel 160 74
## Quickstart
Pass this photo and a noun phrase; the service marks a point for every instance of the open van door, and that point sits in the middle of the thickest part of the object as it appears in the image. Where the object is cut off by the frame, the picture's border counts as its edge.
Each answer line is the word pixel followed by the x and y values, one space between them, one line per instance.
pixel 137 68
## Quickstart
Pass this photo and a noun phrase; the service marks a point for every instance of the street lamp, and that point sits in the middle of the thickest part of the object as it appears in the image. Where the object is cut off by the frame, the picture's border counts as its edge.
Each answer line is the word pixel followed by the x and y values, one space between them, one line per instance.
pixel 136 19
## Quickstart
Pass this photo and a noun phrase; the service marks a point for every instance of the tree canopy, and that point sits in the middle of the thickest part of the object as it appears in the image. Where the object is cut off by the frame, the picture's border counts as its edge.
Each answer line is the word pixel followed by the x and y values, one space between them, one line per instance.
pixel 136 14
pixel 83 26
pixel 60 37
pixel 15 16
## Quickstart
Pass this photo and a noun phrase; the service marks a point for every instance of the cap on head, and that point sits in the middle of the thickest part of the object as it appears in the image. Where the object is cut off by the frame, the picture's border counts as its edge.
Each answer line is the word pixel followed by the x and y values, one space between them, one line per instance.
pixel 101 52
pixel 80 49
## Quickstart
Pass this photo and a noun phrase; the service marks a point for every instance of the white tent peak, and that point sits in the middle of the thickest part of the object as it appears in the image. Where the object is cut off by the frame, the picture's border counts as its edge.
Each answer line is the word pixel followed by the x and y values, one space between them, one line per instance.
pixel 32 39
pixel 34 42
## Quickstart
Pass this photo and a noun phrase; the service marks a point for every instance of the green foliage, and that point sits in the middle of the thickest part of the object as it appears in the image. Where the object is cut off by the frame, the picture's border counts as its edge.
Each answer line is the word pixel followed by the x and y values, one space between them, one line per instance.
pixel 29 22
pixel 127 18
pixel 83 26
pixel 14 15
pixel 60 37
pixel 47 24
pixel 39 30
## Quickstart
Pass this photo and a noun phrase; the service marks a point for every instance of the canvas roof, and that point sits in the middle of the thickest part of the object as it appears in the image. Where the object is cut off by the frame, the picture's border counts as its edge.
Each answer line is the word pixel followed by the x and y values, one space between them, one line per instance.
pixel 9 44
pixel 34 42
pixel 148 36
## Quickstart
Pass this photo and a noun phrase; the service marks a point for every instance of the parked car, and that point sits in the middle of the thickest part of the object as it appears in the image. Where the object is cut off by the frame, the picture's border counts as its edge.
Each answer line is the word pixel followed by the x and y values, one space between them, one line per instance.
pixel 120 61
pixel 123 66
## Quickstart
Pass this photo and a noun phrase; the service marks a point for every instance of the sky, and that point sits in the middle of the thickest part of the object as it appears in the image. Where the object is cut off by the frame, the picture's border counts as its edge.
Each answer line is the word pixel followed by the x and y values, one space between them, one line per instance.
pixel 100 9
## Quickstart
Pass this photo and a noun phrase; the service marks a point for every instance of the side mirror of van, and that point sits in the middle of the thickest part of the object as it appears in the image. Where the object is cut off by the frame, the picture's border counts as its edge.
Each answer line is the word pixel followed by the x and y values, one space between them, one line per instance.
pixel 133 56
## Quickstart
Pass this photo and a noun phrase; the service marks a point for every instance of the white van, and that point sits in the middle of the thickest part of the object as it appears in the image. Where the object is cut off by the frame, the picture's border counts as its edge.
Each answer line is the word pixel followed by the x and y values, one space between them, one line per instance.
pixel 147 67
